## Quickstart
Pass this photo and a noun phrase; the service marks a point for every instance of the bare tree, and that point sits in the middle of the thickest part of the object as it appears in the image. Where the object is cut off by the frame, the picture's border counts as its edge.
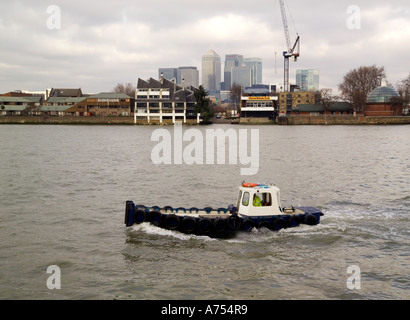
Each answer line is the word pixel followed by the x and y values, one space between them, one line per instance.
pixel 128 89
pixel 235 94
pixel 358 83
pixel 326 98
pixel 403 88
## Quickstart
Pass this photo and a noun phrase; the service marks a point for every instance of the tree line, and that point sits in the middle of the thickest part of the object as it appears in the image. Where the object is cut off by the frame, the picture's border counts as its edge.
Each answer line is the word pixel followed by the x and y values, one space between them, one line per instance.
pixel 359 82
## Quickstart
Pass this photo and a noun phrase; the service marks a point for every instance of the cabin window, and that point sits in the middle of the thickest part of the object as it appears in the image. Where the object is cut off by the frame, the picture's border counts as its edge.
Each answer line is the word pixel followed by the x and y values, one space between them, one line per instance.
pixel 245 199
pixel 262 199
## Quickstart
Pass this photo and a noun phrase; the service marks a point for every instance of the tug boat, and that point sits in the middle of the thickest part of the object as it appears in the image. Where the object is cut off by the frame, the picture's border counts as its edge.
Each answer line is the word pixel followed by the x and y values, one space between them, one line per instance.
pixel 258 206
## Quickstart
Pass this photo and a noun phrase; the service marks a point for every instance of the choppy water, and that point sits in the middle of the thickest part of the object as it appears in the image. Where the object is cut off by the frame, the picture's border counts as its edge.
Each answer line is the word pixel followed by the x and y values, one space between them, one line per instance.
pixel 62 198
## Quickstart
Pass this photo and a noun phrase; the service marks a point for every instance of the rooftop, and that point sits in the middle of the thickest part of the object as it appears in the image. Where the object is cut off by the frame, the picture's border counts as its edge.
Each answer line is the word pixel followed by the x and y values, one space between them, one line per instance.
pixel 382 94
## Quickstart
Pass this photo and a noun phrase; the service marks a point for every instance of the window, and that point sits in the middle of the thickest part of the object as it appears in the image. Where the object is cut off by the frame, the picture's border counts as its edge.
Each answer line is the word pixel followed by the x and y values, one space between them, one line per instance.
pixel 262 199
pixel 245 199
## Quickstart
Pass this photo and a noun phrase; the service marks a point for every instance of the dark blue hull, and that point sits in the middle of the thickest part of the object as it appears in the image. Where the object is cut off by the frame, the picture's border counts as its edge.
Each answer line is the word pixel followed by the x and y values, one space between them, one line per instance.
pixel 202 222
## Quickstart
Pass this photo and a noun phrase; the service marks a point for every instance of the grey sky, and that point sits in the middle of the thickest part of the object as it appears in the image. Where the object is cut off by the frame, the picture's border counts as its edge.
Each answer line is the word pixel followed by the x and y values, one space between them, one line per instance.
pixel 102 43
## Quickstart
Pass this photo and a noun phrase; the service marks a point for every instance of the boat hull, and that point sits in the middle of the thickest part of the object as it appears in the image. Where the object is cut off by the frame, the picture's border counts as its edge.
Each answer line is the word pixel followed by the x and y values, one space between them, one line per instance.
pixel 221 222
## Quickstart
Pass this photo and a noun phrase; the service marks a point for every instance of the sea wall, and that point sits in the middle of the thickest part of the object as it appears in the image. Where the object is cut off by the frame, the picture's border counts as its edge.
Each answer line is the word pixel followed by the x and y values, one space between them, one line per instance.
pixel 345 120
pixel 77 120
pixel 293 120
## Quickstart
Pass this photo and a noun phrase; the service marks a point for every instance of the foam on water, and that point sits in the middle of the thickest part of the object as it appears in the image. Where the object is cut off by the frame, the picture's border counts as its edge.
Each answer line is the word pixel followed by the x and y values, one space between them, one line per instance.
pixel 148 228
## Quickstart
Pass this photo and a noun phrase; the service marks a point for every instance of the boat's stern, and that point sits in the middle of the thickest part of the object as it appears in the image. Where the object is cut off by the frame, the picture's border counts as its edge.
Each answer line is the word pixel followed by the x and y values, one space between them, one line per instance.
pixel 311 215
pixel 129 213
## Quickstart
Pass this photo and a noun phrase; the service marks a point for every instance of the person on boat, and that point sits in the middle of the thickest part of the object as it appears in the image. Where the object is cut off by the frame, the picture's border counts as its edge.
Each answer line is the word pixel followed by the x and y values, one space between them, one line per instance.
pixel 257 201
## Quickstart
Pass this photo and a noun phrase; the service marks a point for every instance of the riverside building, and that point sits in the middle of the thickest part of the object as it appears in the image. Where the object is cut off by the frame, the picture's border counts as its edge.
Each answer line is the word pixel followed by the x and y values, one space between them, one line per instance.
pixel 164 101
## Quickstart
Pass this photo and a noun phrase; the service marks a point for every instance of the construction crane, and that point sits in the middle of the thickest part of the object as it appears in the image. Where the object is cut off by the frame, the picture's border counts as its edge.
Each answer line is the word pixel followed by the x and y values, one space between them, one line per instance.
pixel 293 51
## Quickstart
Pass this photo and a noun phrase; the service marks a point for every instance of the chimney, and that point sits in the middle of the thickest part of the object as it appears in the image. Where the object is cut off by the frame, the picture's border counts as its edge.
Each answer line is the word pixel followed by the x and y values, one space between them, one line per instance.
pixel 183 84
pixel 162 78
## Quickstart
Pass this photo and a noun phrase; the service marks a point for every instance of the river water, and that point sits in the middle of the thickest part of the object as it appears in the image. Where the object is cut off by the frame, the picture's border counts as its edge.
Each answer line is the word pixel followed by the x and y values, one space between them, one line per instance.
pixel 62 198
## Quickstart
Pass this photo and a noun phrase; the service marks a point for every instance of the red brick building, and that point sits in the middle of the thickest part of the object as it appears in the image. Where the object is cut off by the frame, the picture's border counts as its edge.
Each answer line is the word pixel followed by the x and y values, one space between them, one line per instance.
pixel 383 102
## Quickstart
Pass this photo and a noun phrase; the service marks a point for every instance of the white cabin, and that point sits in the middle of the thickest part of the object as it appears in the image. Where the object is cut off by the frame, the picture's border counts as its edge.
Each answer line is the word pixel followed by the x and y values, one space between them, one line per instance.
pixel 258 200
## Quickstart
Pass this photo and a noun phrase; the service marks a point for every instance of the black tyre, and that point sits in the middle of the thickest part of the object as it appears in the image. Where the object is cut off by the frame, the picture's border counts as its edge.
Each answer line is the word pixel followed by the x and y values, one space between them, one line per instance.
pixel 248 225
pixel 155 218
pixel 171 222
pixel 279 223
pixel 188 225
pixel 205 225
pixel 140 216
pixel 264 224
pixel 294 221
pixel 220 225
pixel 311 220
pixel 234 223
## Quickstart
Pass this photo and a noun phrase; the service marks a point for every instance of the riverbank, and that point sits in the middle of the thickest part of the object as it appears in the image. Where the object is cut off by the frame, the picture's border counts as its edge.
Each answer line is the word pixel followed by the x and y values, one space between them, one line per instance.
pixel 296 120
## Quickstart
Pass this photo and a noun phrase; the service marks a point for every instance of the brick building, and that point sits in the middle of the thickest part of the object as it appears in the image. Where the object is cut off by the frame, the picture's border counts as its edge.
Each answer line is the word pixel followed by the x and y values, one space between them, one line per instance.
pixel 383 102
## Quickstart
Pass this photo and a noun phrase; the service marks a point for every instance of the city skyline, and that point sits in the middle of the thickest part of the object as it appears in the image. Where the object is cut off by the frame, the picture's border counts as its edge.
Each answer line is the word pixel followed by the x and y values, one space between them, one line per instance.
pixel 71 44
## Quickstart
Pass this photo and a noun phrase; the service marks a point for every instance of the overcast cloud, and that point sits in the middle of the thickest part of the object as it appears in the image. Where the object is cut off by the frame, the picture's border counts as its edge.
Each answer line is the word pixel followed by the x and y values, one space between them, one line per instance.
pixel 102 43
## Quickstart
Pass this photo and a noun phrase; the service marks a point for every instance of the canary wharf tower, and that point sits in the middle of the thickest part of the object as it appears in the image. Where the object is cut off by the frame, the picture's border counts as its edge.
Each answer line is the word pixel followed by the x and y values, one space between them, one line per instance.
pixel 211 71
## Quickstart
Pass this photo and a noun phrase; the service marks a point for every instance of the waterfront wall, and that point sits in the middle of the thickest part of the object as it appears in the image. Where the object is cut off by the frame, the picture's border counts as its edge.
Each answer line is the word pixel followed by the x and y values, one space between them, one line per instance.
pixel 78 120
pixel 292 120
pixel 345 120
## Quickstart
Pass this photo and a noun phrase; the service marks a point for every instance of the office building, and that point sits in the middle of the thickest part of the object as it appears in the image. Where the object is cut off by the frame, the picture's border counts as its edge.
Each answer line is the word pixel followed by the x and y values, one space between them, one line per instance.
pixel 256 65
pixel 242 71
pixel 188 76
pixel 168 73
pixel 231 61
pixel 307 79
pixel 211 71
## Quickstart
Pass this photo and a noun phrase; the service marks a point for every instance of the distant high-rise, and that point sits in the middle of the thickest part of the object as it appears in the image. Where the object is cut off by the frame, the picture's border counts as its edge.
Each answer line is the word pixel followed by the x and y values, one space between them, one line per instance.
pixel 211 71
pixel 168 73
pixel 242 76
pixel 307 79
pixel 256 65
pixel 188 76
pixel 242 71
pixel 231 61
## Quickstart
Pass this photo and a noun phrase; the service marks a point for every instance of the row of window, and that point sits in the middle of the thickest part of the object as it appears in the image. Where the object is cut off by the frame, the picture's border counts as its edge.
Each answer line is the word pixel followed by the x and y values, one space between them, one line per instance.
pixel 259 104
pixel 260 199
pixel 164 105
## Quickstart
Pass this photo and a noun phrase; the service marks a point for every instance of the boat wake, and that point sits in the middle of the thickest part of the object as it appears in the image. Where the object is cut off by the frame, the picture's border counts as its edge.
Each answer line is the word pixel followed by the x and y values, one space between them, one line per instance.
pixel 150 229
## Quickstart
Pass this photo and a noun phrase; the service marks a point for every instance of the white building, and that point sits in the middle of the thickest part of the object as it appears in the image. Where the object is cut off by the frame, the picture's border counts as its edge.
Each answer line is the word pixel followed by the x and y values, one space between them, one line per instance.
pixel 164 101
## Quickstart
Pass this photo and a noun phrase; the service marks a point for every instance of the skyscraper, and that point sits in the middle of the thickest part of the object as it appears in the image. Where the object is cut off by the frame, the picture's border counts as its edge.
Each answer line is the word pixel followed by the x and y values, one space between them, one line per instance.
pixel 168 73
pixel 211 71
pixel 256 65
pixel 231 61
pixel 307 79
pixel 189 75
pixel 242 71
